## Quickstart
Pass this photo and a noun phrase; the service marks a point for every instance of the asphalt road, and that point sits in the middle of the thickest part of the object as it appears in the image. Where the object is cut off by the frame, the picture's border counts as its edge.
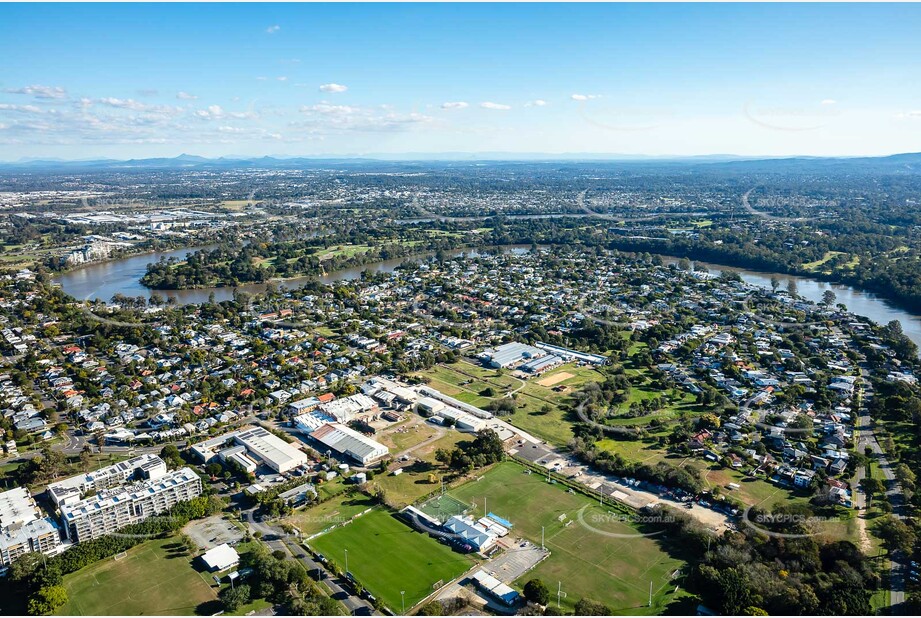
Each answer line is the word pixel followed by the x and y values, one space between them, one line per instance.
pixel 866 438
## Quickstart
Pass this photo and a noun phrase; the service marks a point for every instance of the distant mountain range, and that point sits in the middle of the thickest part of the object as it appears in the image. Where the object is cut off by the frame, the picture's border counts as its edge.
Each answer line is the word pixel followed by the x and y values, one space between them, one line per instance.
pixel 905 163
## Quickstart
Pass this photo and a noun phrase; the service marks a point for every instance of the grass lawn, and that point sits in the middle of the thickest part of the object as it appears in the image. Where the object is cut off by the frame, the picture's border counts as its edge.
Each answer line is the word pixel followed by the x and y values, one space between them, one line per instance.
pixel 344 250
pixel 612 570
pixel 752 491
pixel 318 518
pixel 640 451
pixel 388 556
pixel 818 263
pixel 467 382
pixel 414 481
pixel 151 580
pixel 332 488
pixel 406 435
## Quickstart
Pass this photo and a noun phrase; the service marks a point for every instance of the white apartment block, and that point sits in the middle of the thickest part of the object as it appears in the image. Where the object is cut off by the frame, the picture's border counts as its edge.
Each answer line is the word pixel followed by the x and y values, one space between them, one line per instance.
pixel 22 527
pixel 73 489
pixel 114 508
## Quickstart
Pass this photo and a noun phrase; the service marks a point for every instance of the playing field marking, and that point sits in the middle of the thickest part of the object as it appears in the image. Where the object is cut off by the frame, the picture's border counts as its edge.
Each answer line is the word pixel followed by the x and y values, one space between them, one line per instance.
pixel 555 378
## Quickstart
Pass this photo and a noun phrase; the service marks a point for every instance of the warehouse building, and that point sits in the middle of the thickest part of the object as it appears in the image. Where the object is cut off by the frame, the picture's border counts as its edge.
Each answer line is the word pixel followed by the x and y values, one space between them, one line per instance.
pixel 72 490
pixel 510 354
pixel 390 393
pixel 22 527
pixel 430 393
pixel 542 364
pixel 114 508
pixel 567 353
pixel 259 447
pixel 350 443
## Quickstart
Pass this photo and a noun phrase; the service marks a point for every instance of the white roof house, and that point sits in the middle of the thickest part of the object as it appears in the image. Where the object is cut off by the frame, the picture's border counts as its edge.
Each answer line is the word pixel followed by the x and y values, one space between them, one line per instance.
pixel 220 558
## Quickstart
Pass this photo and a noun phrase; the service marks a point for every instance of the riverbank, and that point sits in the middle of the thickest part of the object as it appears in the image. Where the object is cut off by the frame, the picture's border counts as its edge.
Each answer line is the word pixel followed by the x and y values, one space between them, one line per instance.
pixel 101 281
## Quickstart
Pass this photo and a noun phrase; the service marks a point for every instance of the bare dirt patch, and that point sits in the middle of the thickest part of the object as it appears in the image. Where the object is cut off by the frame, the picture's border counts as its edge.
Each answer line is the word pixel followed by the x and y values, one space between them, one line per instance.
pixel 555 378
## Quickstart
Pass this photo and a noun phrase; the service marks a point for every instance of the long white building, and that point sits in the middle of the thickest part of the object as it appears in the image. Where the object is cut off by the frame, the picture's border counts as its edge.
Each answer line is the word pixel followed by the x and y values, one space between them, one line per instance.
pixel 22 527
pixel 72 490
pixel 259 446
pixel 112 509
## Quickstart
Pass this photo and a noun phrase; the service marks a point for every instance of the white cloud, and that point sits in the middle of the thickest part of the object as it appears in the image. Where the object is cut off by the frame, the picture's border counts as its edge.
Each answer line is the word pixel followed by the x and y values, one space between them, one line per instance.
pixel 585 97
pixel 491 105
pixel 25 109
pixel 273 29
pixel 326 108
pixel 41 92
pixel 213 111
pixel 828 101
pixel 3 126
pixel 283 78
pixel 455 105
pixel 185 96
pixel 124 103
pixel 333 87
pixel 535 103
pixel 325 117
pixel 915 113
pixel 227 129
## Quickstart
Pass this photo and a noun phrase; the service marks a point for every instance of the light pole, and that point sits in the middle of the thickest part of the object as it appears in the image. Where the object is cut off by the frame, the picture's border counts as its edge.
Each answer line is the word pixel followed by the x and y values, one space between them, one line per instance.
pixel 403 600
pixel 541 537
pixel 346 562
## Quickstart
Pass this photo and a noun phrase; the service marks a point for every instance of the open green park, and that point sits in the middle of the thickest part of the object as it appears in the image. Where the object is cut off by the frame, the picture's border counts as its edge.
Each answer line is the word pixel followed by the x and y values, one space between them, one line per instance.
pixel 153 578
pixel 388 557
pixel 594 553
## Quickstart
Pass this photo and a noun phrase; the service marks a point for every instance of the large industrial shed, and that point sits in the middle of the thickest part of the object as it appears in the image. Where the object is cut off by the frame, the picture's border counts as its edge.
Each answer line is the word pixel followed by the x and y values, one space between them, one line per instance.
pixel 349 442
pixel 509 354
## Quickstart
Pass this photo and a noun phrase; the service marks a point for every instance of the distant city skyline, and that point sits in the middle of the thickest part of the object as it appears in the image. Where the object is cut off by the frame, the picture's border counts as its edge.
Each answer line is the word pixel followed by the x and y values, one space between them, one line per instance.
pixel 142 80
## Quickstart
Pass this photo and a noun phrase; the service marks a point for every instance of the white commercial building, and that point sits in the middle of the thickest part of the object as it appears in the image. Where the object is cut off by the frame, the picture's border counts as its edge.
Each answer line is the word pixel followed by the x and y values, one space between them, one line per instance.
pixel 114 508
pixel 220 558
pixel 260 445
pixel 349 442
pixel 22 527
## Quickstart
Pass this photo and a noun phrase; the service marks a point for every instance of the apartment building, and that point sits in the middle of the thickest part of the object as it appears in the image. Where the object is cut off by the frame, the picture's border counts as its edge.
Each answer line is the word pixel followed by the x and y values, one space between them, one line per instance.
pixel 73 489
pixel 22 527
pixel 117 507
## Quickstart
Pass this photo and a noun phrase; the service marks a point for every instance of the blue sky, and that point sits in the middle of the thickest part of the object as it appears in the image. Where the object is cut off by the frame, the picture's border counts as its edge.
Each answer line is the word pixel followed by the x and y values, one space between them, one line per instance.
pixel 80 81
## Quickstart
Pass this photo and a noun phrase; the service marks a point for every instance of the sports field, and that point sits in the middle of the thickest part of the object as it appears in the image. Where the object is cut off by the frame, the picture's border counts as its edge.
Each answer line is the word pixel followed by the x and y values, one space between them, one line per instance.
pixel 387 556
pixel 586 557
pixel 335 511
pixel 152 579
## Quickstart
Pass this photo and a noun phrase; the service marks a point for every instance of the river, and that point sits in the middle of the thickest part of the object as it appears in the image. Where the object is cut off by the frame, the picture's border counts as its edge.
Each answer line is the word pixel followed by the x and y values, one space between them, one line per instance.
pixel 103 280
